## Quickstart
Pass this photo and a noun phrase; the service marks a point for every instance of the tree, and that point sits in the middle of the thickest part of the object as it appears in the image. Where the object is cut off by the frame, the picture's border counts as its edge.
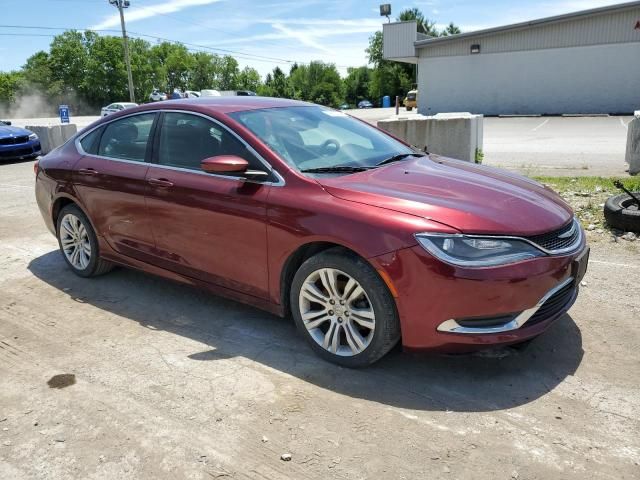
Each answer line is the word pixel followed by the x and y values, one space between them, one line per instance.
pixel 10 83
pixel 249 79
pixel 425 25
pixel 317 82
pixel 451 29
pixel 227 77
pixel 204 70
pixel 356 84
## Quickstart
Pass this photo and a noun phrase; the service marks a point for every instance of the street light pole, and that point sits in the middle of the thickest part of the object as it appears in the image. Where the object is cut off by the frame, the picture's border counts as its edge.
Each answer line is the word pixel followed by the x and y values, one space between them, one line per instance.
pixel 121 5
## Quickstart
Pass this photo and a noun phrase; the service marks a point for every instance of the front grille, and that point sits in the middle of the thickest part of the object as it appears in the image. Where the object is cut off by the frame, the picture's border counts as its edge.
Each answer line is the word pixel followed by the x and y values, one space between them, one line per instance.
pixel 18 152
pixel 14 140
pixel 554 304
pixel 553 241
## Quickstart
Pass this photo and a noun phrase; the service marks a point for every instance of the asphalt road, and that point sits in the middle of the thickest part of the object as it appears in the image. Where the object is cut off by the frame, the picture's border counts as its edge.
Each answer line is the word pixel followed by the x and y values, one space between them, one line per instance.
pixel 568 146
pixel 163 381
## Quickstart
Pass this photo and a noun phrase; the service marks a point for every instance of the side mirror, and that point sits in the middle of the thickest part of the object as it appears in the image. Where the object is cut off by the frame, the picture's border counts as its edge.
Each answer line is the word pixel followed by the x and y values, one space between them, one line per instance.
pixel 224 164
pixel 231 165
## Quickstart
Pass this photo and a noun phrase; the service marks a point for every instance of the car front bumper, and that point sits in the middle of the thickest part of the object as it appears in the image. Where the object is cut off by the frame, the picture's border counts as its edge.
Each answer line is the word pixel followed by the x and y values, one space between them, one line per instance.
pixel 29 149
pixel 451 309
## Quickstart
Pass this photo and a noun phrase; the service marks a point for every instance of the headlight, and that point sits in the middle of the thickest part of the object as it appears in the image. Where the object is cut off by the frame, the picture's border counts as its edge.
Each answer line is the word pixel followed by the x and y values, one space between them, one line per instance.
pixel 467 251
pixel 33 136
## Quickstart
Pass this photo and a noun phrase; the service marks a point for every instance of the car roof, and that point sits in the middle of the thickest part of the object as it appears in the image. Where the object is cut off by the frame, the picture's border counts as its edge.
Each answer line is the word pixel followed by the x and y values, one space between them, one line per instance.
pixel 225 104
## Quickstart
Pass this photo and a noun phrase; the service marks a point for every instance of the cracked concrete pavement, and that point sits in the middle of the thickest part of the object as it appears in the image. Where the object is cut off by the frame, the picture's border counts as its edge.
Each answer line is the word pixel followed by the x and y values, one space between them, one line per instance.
pixel 172 382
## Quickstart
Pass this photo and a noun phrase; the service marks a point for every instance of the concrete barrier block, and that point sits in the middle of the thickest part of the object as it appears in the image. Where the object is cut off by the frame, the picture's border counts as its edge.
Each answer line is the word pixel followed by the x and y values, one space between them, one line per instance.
pixel 395 126
pixel 455 135
pixel 632 156
pixel 68 130
pixel 52 136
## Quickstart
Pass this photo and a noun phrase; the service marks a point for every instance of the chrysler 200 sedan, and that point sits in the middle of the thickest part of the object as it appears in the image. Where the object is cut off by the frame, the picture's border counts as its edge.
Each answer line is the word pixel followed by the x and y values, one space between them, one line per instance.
pixel 300 209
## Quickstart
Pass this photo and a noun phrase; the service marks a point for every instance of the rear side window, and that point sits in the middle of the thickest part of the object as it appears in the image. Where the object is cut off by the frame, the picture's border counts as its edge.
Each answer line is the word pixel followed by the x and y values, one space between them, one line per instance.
pixel 91 142
pixel 186 140
pixel 127 138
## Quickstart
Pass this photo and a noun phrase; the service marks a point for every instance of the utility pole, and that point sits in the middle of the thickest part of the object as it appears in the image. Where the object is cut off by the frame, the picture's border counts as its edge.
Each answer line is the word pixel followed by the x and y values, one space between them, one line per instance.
pixel 121 5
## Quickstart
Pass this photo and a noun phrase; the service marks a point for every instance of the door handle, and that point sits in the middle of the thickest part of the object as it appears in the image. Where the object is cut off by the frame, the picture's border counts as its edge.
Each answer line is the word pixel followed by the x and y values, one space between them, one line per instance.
pixel 87 171
pixel 160 182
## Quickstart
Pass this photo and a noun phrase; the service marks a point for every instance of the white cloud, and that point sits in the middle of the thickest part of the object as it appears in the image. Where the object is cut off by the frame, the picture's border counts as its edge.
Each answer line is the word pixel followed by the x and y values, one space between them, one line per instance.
pixel 150 11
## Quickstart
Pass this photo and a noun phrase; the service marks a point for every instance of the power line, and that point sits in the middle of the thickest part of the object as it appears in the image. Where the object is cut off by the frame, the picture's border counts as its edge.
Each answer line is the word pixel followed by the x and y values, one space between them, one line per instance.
pixel 231 53
pixel 243 55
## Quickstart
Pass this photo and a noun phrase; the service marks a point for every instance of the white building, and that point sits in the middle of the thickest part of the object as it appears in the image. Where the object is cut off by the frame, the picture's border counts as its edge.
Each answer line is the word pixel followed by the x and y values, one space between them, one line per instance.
pixel 583 62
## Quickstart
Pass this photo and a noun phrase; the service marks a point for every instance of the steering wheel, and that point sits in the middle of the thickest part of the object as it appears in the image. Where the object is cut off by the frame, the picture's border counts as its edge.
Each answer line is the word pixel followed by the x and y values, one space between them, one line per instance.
pixel 329 147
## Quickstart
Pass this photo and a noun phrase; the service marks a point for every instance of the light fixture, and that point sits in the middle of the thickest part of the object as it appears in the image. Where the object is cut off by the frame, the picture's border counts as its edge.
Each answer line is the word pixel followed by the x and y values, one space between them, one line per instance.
pixel 385 11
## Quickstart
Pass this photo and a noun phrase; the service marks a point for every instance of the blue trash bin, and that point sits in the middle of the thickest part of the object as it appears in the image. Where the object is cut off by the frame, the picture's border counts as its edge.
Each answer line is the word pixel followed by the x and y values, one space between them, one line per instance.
pixel 386 101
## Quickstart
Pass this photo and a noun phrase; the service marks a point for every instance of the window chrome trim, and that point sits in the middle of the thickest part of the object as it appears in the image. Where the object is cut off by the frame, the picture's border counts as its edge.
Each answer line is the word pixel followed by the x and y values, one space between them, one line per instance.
pixel 574 247
pixel 280 182
pixel 451 326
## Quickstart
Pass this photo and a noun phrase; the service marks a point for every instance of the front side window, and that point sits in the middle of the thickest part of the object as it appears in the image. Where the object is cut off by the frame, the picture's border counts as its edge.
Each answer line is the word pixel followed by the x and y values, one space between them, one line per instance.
pixel 312 137
pixel 127 138
pixel 186 140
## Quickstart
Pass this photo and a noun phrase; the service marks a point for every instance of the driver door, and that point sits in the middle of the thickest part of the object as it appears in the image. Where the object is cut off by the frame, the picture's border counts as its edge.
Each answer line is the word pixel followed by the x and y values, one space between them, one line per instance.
pixel 206 226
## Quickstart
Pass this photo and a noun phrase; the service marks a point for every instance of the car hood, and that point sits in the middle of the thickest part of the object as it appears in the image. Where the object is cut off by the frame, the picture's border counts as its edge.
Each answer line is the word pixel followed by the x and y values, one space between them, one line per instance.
pixel 465 196
pixel 9 131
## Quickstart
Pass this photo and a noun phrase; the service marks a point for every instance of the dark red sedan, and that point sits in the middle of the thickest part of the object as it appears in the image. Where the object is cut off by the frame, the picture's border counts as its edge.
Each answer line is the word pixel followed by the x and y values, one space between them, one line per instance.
pixel 301 209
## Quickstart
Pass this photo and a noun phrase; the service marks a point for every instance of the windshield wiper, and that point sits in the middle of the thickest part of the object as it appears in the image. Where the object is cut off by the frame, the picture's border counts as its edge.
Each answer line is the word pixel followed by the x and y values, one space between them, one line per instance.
pixel 398 157
pixel 336 169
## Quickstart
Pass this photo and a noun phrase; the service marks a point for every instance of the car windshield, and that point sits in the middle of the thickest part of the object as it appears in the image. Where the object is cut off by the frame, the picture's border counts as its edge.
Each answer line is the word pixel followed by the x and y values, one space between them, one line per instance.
pixel 312 137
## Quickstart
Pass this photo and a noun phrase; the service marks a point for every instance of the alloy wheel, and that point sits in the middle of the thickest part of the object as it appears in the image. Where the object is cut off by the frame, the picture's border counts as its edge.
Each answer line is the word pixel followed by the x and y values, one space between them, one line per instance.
pixel 75 243
pixel 337 312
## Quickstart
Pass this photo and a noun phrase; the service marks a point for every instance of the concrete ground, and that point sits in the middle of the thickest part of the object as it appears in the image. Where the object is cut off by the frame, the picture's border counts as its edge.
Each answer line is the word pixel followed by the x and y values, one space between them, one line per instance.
pixel 568 146
pixel 133 377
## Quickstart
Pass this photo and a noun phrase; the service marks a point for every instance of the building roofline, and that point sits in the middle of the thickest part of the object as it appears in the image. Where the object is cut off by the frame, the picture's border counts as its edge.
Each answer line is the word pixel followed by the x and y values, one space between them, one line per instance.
pixel 519 26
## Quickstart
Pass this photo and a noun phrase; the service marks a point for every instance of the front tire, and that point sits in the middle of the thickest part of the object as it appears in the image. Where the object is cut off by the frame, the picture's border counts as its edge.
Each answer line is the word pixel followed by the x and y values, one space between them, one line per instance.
pixel 344 309
pixel 79 244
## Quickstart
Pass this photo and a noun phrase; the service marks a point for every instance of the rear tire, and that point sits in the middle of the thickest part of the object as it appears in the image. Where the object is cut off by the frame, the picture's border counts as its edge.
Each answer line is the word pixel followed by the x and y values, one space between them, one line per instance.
pixel 78 243
pixel 621 212
pixel 344 309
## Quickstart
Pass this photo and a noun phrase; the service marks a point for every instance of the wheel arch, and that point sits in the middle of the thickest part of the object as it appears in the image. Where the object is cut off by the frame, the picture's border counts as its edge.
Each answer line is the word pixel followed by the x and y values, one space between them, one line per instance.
pixel 62 201
pixel 303 253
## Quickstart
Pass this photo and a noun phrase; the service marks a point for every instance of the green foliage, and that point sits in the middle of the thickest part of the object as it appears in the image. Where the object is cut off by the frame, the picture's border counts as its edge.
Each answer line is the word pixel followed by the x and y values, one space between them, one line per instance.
pixel 452 29
pixel 9 84
pixel 356 84
pixel 317 82
pixel 479 157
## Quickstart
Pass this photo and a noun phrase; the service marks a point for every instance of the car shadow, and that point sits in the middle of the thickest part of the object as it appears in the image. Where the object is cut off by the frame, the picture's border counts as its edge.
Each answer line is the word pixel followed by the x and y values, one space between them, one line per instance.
pixel 498 379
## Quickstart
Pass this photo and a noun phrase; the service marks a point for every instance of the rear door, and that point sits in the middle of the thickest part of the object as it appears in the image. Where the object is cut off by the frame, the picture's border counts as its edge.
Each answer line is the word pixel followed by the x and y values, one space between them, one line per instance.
pixel 111 182
pixel 210 227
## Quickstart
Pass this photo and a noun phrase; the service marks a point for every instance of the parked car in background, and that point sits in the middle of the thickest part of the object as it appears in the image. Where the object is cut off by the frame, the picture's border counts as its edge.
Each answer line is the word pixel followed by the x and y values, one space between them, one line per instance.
pixel 177 94
pixel 116 107
pixel 411 100
pixel 157 96
pixel 191 94
pixel 294 207
pixel 209 93
pixel 17 143
pixel 344 106
pixel 245 93
pixel 365 104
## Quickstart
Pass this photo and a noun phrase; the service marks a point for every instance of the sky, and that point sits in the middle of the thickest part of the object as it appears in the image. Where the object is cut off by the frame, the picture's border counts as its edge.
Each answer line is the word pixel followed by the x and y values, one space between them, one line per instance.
pixel 259 33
